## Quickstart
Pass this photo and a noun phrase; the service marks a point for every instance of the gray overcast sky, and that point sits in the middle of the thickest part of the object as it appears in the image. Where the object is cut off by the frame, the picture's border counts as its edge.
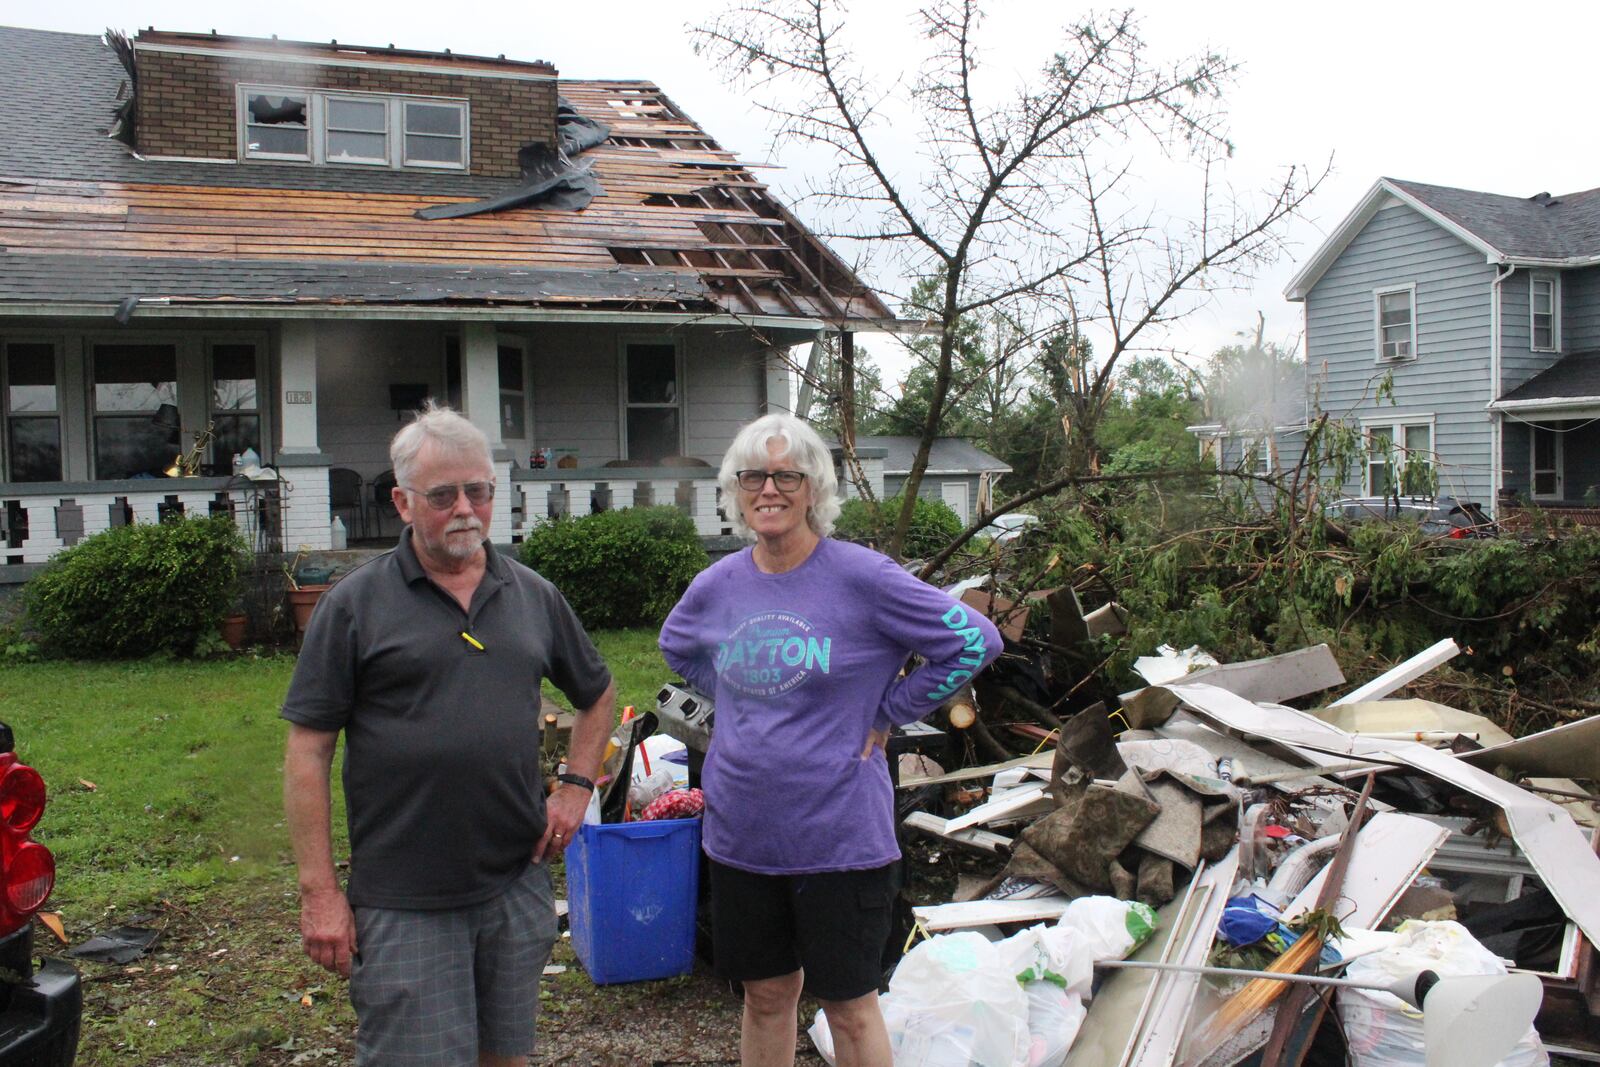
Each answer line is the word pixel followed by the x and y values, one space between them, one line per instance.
pixel 1468 93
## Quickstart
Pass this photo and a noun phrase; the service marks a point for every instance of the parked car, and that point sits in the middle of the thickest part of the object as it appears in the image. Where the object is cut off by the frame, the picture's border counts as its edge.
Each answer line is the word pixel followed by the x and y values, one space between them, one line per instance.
pixel 1444 516
pixel 40 1008
pixel 1009 527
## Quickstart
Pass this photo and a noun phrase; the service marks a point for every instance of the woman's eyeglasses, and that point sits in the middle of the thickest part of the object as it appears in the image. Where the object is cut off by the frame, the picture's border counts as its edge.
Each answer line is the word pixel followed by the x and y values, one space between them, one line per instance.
pixel 787 481
pixel 443 497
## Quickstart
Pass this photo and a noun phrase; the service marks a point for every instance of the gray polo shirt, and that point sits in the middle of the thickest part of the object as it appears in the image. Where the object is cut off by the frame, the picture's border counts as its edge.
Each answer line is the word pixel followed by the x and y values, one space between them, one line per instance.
pixel 442 774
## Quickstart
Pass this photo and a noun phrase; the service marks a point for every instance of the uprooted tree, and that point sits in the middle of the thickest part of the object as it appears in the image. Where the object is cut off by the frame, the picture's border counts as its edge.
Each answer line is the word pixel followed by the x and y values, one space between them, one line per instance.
pixel 1024 201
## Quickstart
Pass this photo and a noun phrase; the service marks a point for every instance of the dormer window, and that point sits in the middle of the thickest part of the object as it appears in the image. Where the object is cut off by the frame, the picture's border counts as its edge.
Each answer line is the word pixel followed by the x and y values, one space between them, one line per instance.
pixel 362 129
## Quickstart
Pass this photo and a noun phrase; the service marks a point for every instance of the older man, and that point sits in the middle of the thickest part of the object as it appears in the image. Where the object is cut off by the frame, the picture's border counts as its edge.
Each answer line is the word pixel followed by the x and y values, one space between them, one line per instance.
pixel 429 658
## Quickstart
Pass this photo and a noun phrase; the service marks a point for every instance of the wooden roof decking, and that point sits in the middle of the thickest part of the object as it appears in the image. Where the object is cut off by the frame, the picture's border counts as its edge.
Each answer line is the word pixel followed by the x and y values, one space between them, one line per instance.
pixel 672 200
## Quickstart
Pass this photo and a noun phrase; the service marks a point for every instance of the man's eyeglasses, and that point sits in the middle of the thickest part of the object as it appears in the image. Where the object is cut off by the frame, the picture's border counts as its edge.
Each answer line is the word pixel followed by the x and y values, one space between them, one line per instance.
pixel 443 497
pixel 753 481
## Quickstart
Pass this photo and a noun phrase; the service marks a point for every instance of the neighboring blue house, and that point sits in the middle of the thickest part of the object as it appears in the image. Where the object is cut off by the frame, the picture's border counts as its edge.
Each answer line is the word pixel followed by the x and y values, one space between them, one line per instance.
pixel 1483 311
pixel 1258 426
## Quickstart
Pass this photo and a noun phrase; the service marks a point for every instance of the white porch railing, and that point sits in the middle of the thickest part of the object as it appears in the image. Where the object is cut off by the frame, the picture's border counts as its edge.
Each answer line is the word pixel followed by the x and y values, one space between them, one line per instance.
pixel 39 519
pixel 540 495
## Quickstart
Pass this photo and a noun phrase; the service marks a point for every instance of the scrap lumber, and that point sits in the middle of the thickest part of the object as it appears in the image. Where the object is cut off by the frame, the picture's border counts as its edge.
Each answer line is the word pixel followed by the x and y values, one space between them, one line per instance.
pixel 1403 674
pixel 970 913
pixel 981 840
pixel 1038 760
pixel 1016 803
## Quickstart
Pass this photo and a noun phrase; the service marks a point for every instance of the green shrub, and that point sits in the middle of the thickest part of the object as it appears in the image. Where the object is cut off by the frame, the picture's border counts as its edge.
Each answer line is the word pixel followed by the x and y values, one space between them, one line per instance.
pixel 933 525
pixel 618 568
pixel 138 590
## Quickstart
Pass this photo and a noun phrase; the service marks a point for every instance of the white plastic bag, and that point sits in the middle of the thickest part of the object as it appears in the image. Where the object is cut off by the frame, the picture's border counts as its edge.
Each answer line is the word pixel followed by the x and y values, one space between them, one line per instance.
pixel 1110 928
pixel 1054 1016
pixel 1381 1030
pixel 952 1002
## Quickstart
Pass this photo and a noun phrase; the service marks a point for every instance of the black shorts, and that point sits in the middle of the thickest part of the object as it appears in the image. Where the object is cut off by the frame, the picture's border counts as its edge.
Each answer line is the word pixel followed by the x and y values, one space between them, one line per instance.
pixel 832 925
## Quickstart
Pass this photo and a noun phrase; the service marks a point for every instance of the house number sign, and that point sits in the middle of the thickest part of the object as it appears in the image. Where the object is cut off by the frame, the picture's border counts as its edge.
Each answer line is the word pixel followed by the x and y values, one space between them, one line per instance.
pixel 297 396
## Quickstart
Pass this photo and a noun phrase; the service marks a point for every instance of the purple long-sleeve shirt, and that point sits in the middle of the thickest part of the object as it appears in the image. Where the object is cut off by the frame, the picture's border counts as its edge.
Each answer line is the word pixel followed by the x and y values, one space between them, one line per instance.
pixel 802 665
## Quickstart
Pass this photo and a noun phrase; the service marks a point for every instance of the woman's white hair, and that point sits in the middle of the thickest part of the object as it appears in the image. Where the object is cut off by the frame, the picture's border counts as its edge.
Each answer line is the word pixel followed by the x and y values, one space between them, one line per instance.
pixel 806 453
pixel 448 429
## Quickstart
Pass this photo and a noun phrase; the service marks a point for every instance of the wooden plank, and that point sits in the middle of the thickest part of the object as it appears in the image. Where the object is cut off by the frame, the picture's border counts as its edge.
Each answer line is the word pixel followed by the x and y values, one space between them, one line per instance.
pixel 981 840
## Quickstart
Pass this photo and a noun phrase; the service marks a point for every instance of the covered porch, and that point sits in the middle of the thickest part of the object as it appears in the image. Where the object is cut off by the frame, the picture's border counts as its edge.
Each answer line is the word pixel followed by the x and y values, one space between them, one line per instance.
pixel 1550 444
pixel 583 414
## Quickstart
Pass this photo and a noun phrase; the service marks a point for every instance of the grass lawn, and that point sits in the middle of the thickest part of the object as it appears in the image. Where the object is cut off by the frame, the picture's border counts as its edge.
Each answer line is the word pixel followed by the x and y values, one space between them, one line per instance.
pixel 165 803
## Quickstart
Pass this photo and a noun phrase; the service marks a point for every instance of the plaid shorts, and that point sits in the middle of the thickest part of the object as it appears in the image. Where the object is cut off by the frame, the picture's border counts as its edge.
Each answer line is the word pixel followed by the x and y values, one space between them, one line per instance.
pixel 438 987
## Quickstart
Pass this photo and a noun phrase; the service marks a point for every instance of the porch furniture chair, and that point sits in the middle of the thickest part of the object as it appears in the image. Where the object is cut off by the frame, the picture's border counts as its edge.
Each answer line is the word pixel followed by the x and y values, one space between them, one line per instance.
pixel 383 500
pixel 345 495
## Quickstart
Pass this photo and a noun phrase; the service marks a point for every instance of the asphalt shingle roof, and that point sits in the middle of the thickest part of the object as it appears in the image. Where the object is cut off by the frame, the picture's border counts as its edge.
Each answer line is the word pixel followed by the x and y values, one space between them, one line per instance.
pixel 947 454
pixel 1557 227
pixel 112 279
pixel 1574 375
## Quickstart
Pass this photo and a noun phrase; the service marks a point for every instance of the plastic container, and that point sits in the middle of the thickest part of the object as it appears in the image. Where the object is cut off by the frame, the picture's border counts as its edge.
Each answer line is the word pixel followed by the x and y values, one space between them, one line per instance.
pixel 631 893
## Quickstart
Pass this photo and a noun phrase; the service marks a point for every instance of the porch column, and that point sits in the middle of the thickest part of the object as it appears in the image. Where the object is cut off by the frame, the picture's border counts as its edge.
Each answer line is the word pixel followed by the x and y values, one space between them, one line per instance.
pixel 480 397
pixel 297 399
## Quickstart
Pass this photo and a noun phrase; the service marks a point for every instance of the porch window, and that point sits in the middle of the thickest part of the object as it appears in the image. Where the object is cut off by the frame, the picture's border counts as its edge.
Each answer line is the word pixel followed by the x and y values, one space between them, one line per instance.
pixel 1543 305
pixel 235 405
pixel 1397 322
pixel 1400 459
pixel 513 395
pixel 32 413
pixel 1546 473
pixel 652 423
pixel 136 423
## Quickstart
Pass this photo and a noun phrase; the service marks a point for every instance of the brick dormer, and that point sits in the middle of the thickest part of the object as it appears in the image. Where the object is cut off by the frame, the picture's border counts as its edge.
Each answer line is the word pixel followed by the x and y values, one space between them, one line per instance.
pixel 195 94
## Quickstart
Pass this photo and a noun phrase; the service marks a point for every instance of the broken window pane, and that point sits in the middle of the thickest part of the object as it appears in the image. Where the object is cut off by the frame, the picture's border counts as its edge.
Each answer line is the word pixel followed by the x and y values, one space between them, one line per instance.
pixel 233 377
pixel 278 125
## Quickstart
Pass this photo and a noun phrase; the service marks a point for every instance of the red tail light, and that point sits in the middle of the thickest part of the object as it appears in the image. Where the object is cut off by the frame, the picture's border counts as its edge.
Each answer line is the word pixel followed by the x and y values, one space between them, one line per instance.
pixel 27 870
pixel 1457 534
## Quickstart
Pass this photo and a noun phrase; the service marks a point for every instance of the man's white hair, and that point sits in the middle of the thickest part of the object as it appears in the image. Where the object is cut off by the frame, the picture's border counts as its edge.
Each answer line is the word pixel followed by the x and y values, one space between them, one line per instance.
pixel 450 432
pixel 807 453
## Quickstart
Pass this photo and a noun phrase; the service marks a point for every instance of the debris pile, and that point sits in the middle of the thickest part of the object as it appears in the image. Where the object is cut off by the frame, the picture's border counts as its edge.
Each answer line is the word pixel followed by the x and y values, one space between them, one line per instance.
pixel 1362 836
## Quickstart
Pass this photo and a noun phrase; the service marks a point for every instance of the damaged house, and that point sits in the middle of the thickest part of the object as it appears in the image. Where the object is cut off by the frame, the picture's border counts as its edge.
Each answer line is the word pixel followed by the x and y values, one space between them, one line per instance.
pixel 214 246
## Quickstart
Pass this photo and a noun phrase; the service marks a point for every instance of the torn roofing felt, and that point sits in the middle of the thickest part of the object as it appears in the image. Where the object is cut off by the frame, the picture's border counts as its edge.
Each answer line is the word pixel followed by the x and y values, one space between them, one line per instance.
pixel 550 178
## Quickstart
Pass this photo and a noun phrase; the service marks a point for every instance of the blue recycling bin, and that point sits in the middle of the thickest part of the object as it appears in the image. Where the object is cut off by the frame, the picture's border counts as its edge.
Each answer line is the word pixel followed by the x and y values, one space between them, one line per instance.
pixel 631 894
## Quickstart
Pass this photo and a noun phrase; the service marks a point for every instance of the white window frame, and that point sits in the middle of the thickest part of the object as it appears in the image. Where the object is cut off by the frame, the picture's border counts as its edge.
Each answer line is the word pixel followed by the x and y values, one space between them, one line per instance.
pixel 317 127
pixel 1257 447
pixel 1397 426
pixel 1554 281
pixel 1410 289
pixel 681 403
pixel 430 164
pixel 385 160
pixel 514 396
pixel 1534 470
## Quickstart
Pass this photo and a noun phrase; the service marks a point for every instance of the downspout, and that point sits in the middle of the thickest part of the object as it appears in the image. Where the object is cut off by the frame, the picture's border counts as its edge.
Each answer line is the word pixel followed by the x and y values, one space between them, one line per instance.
pixel 1496 452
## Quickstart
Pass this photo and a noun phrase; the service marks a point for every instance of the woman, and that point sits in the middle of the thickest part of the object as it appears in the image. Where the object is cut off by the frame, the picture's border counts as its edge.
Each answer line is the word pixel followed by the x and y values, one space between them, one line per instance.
pixel 801 638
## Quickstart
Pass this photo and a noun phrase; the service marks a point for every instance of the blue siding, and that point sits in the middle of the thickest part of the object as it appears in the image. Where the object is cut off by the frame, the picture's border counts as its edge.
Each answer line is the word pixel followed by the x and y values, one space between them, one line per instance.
pixel 1580 310
pixel 930 489
pixel 1448 379
pixel 1518 362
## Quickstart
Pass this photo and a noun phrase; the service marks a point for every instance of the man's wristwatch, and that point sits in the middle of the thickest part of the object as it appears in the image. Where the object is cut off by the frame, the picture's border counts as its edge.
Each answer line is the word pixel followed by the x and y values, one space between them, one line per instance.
pixel 577 780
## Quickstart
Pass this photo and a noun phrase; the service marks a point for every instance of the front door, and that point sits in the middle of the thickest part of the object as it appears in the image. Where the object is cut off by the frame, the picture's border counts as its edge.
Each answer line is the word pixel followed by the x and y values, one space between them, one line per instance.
pixel 955 494
pixel 1546 478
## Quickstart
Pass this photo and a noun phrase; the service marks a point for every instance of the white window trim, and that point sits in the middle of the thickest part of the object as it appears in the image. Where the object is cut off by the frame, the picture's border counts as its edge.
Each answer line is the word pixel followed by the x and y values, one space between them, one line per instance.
pixel 1533 463
pixel 681 404
pixel 1555 312
pixel 387 159
pixel 1378 294
pixel 1396 425
pixel 317 127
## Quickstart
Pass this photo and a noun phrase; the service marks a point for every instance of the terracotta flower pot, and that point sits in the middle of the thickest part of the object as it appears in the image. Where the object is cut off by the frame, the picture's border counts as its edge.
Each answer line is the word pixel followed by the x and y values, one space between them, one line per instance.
pixel 233 627
pixel 302 602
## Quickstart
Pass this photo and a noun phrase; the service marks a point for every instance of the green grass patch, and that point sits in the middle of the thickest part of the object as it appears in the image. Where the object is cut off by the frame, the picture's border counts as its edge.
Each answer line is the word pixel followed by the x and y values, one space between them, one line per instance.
pixel 165 809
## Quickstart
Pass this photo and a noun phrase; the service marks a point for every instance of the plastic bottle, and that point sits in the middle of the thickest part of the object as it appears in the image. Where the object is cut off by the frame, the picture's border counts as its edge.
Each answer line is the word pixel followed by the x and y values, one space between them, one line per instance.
pixel 337 535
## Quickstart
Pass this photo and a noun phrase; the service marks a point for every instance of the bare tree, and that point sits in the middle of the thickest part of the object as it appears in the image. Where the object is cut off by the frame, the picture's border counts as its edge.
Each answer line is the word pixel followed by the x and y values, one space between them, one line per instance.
pixel 1022 202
